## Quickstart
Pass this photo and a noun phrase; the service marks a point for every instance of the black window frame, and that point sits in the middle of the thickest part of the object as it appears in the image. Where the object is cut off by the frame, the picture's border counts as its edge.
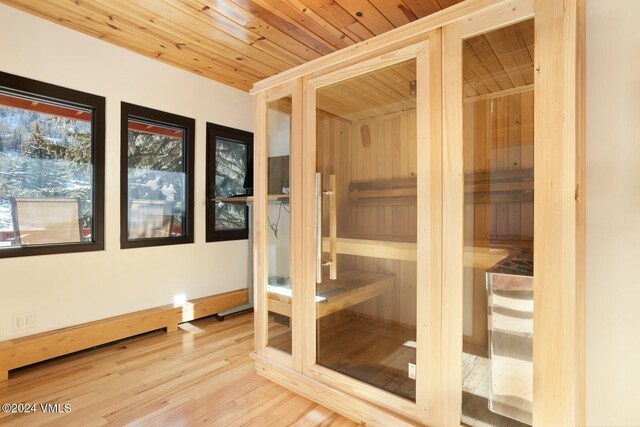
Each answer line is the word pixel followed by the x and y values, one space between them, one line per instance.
pixel 137 112
pixel 215 131
pixel 22 86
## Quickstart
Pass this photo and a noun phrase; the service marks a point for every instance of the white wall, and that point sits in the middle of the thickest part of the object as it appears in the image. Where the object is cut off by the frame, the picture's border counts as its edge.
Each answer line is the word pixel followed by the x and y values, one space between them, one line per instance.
pixel 73 288
pixel 278 248
pixel 613 213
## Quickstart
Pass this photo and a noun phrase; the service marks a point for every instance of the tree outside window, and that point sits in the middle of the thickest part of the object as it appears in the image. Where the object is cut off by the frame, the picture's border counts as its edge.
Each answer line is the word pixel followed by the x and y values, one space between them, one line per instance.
pixel 158 180
pixel 229 178
pixel 51 153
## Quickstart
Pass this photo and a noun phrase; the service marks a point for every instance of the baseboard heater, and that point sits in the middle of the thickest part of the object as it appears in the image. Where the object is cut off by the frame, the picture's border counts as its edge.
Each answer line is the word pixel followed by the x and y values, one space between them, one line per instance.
pixel 24 351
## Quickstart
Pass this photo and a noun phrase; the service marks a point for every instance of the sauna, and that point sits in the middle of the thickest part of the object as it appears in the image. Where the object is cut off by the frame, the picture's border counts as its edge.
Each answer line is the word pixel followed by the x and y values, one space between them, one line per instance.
pixel 408 197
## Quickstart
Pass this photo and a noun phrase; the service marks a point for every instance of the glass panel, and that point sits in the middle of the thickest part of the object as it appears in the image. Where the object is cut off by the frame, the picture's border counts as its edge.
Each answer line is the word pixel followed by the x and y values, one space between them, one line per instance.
pixel 366 155
pixel 498 227
pixel 46 173
pixel 157 178
pixel 279 220
pixel 231 168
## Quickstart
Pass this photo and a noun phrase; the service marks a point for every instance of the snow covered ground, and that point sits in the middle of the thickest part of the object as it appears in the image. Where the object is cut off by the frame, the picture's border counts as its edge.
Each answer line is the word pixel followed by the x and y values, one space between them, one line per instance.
pixel 5 217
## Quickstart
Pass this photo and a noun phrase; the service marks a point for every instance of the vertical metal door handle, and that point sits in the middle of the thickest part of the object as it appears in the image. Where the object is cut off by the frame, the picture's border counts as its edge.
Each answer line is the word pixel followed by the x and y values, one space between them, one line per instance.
pixel 318 227
pixel 333 228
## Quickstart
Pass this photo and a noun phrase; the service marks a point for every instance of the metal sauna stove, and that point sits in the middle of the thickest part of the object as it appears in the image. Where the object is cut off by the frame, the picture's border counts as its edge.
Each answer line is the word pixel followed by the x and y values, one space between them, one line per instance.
pixel 510 324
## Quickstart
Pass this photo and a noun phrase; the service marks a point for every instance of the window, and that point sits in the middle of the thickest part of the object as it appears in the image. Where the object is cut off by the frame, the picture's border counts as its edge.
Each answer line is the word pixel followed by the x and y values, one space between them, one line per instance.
pixel 51 168
pixel 156 178
pixel 229 174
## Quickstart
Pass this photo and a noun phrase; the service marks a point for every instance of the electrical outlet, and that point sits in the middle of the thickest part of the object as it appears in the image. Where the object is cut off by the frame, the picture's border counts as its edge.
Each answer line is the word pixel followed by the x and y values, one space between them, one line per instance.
pixel 412 371
pixel 25 320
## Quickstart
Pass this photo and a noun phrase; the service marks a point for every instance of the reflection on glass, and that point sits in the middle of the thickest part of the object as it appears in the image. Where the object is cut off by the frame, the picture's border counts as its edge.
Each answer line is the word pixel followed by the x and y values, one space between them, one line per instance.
pixel 156 180
pixel 498 227
pixel 366 155
pixel 46 173
pixel 279 221
pixel 231 168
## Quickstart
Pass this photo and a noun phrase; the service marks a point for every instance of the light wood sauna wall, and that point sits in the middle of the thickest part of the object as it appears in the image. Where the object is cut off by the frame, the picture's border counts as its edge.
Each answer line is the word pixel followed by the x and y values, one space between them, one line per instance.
pixel 502 131
pixel 389 153
pixel 498 135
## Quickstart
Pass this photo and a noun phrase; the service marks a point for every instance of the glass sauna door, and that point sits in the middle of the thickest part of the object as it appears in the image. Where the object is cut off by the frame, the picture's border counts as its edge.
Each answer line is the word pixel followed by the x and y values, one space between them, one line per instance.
pixel 498 149
pixel 278 220
pixel 367 200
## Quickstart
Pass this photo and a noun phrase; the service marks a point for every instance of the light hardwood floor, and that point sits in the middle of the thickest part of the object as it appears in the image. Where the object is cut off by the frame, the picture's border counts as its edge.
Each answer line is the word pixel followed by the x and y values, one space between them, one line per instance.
pixel 199 375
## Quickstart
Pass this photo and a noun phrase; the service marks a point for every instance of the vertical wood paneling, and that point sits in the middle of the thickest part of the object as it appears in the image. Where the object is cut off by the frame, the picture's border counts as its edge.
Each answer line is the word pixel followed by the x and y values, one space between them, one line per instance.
pixel 498 138
pixel 499 132
pixel 390 153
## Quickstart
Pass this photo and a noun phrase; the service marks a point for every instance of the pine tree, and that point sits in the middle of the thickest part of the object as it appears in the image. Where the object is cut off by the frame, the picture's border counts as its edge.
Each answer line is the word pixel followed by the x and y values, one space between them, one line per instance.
pixel 78 137
pixel 154 158
pixel 38 171
pixel 38 146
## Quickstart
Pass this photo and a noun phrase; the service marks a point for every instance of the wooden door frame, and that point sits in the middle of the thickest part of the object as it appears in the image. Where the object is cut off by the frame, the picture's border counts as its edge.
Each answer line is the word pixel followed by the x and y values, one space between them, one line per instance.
pixel 291 89
pixel 427 55
pixel 559 208
pixel 559 318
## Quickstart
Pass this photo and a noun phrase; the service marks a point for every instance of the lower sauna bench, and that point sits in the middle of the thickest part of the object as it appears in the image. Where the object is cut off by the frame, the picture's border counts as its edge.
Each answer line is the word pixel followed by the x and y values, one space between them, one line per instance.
pixel 349 288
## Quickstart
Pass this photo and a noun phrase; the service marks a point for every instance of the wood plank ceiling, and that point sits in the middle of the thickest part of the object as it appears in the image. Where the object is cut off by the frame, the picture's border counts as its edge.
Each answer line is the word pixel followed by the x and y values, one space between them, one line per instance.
pixel 499 60
pixel 235 42
pixel 380 92
pixel 494 63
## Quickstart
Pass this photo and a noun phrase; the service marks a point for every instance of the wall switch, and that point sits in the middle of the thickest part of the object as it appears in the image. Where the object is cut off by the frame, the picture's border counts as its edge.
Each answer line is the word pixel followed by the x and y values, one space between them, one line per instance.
pixel 25 320
pixel 412 371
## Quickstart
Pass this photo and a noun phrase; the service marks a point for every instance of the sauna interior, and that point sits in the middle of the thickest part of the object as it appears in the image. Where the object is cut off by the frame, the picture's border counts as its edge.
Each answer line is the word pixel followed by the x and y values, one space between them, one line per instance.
pixel 367 178
pixel 498 126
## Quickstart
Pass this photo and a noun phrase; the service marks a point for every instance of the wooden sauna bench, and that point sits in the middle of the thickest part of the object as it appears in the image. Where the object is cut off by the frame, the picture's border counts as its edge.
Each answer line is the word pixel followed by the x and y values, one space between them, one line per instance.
pixel 395 247
pixel 350 288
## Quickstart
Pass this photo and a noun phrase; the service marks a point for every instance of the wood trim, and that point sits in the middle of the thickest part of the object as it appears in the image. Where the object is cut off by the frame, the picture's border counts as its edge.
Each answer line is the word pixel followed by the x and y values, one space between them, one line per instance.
pixel 500 93
pixel 384 60
pixel 581 211
pixel 367 392
pixel 366 48
pixel 452 225
pixel 297 244
pixel 558 387
pixel 308 224
pixel 279 92
pixel 210 305
pixel 24 351
pixel 502 15
pixel 278 356
pixel 259 224
pixel 334 399
pixel 429 391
